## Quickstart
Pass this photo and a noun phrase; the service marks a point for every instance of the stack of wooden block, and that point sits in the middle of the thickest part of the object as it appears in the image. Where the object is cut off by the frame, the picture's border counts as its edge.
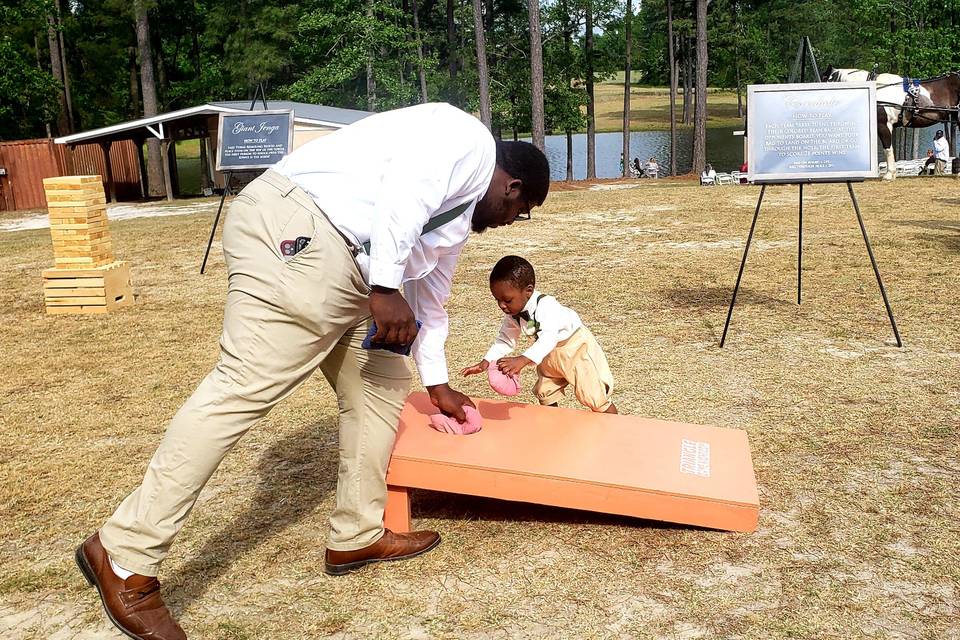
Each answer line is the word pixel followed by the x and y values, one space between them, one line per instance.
pixel 86 278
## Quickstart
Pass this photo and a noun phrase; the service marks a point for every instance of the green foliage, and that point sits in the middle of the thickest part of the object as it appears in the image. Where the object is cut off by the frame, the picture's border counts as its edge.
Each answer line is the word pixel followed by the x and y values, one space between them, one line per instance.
pixel 28 94
pixel 334 44
pixel 318 51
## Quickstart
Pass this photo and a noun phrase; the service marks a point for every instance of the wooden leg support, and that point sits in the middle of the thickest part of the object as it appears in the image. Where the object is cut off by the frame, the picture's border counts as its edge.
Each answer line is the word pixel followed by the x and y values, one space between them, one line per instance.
pixel 396 515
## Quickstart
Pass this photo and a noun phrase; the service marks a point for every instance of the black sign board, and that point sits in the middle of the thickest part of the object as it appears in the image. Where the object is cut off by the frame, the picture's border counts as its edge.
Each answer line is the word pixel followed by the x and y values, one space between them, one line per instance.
pixel 254 139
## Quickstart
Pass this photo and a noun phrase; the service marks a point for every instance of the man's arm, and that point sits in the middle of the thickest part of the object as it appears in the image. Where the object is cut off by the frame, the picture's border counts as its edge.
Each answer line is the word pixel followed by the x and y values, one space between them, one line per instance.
pixel 427 297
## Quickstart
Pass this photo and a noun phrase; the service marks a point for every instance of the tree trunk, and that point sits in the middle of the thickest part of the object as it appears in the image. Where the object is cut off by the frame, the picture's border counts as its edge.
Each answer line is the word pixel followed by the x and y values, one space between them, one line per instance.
pixel 483 74
pixel 700 118
pixel 36 51
pixel 420 72
pixel 155 172
pixel 371 80
pixel 134 83
pixel 626 92
pixel 591 119
pixel 687 82
pixel 66 76
pixel 451 51
pixel 56 68
pixel 568 79
pixel 536 75
pixel 673 90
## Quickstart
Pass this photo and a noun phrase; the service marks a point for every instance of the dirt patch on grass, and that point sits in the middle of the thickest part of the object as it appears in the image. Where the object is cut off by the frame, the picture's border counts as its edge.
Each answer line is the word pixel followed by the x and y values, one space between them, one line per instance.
pixel 854 441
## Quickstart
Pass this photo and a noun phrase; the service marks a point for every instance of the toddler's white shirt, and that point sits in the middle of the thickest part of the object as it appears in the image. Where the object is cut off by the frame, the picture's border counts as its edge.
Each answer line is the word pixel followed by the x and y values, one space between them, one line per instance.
pixel 557 323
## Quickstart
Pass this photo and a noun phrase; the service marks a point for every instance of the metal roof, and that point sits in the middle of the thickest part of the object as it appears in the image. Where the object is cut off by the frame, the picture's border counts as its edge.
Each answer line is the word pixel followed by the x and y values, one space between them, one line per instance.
pixel 303 113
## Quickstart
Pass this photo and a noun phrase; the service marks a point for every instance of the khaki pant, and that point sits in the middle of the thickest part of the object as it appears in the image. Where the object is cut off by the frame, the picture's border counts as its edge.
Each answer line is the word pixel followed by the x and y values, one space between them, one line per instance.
pixel 577 361
pixel 941 167
pixel 284 318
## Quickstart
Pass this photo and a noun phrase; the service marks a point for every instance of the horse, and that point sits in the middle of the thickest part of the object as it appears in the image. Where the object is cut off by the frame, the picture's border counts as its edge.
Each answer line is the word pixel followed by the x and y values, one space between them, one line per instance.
pixel 905 103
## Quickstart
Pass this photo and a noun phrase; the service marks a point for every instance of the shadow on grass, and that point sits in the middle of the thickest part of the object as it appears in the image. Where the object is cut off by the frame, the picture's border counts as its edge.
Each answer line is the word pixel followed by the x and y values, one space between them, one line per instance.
pixel 932 225
pixel 295 475
pixel 950 241
pixel 449 506
pixel 703 298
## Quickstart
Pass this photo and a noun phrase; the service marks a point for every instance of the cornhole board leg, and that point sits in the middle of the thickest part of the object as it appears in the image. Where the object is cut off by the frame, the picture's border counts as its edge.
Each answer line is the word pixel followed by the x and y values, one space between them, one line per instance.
pixel 396 515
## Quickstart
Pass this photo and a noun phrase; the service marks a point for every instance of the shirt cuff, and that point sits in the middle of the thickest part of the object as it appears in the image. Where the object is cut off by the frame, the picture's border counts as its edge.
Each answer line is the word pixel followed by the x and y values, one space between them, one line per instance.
pixel 386 274
pixel 495 353
pixel 433 373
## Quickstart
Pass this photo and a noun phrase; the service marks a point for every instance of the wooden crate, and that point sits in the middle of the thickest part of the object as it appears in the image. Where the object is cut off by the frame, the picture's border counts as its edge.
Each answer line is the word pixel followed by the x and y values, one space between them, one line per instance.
pixel 87 290
pixel 78 222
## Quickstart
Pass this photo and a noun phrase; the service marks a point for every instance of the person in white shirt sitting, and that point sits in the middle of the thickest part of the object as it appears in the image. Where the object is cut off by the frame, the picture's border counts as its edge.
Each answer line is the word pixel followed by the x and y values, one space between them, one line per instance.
pixel 564 351
pixel 317 249
pixel 709 176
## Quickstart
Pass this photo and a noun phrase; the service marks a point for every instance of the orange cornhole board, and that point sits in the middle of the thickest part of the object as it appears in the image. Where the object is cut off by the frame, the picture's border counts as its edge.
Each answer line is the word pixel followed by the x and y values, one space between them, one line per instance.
pixel 671 471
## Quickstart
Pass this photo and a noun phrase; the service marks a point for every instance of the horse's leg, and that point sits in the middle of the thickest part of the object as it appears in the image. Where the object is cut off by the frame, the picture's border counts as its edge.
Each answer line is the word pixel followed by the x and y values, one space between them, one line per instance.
pixel 885 132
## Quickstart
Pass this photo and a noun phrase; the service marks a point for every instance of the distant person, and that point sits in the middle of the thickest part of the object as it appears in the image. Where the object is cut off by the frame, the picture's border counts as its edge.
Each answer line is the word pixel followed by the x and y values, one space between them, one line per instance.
pixel 942 152
pixel 637 171
pixel 931 160
pixel 744 170
pixel 652 169
pixel 709 176
pixel 564 351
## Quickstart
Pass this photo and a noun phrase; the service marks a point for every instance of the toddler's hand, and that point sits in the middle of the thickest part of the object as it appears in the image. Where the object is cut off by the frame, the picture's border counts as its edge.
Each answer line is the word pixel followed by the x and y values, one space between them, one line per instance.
pixel 514 365
pixel 474 369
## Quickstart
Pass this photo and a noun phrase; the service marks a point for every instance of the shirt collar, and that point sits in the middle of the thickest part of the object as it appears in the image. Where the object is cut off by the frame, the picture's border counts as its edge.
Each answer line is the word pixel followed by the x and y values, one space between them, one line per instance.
pixel 531 306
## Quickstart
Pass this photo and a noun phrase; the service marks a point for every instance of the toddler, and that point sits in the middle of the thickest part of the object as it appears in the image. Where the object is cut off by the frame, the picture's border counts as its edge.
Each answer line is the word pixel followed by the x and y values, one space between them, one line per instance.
pixel 564 351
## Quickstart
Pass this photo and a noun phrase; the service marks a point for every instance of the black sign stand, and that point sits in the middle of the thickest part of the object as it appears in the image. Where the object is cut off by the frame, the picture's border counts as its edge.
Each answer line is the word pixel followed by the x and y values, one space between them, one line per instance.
pixel 866 241
pixel 260 92
pixel 804 51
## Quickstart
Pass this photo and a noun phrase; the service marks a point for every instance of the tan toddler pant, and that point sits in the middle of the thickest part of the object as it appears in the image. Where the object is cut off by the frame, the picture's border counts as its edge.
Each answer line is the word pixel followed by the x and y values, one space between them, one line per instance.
pixel 577 361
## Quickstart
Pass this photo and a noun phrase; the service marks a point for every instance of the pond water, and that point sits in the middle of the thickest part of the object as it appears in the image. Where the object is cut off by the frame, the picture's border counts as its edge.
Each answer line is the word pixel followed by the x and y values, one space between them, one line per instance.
pixel 724 151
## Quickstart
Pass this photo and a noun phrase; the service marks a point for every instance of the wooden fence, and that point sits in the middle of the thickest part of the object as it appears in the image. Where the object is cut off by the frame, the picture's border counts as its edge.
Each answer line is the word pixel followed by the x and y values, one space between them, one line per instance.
pixel 27 162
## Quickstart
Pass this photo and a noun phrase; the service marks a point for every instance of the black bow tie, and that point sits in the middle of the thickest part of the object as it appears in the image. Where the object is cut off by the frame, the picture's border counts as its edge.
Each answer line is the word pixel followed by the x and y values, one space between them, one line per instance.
pixel 523 315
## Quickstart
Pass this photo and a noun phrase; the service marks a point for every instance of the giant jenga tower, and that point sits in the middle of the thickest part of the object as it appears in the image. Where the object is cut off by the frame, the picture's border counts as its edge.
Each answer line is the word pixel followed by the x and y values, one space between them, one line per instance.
pixel 86 278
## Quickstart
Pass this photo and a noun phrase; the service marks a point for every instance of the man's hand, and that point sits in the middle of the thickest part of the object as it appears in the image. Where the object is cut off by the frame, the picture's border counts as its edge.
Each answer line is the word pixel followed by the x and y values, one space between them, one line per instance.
pixel 449 401
pixel 473 369
pixel 514 365
pixel 395 321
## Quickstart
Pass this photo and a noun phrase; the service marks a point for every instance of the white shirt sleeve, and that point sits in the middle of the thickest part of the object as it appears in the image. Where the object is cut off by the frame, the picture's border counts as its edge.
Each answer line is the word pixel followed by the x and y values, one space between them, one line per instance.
pixel 427 297
pixel 552 318
pixel 506 340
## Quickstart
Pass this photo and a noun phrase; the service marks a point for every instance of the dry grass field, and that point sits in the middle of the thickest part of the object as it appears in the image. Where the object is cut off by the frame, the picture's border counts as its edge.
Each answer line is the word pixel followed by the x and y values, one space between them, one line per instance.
pixel 855 441
pixel 650 108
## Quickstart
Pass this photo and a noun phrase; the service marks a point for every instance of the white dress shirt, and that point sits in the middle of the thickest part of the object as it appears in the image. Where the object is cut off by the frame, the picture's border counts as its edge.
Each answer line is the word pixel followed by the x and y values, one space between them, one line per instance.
pixel 380 180
pixel 556 324
pixel 941 148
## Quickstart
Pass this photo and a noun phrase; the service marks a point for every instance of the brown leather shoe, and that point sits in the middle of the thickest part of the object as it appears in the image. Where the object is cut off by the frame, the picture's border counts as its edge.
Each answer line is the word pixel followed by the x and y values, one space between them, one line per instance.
pixel 392 546
pixel 134 605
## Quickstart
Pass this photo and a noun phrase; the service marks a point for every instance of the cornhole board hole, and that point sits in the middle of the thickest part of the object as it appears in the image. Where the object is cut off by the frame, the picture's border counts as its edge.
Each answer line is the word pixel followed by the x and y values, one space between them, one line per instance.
pixel 626 465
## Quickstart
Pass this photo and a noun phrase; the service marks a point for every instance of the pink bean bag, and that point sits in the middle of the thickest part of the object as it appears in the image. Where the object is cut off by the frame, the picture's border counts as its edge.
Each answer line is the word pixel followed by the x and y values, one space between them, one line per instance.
pixel 446 424
pixel 502 383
